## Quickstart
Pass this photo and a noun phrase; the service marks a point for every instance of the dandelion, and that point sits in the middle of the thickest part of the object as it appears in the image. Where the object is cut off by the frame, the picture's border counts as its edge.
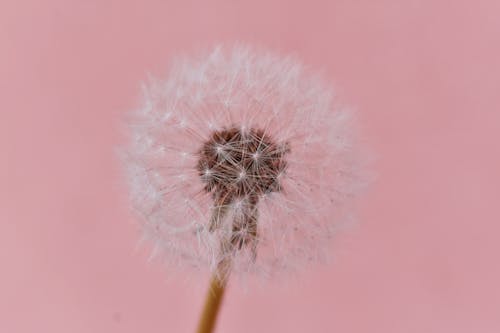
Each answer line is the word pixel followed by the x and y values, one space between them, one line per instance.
pixel 242 162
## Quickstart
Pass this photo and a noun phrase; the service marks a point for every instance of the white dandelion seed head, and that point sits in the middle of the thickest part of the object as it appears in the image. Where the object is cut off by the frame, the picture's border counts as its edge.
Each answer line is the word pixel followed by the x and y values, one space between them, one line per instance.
pixel 241 154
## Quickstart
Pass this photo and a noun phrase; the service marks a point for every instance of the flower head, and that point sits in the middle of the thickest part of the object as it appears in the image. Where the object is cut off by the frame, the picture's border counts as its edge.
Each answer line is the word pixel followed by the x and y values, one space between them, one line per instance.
pixel 243 155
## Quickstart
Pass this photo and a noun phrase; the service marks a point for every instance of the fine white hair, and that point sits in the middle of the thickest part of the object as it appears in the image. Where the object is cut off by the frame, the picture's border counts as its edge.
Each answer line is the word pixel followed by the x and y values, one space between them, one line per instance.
pixel 251 89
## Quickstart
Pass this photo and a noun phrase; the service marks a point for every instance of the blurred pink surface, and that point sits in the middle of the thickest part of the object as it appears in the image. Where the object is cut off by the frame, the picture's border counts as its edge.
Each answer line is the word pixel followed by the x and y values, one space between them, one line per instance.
pixel 424 76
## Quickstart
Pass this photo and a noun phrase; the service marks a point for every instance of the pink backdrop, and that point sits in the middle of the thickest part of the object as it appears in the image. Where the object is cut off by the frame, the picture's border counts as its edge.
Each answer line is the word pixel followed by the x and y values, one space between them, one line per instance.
pixel 424 76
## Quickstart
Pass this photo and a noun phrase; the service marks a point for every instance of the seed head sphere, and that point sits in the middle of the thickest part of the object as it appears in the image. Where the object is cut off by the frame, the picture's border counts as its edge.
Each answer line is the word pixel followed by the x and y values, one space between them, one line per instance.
pixel 244 155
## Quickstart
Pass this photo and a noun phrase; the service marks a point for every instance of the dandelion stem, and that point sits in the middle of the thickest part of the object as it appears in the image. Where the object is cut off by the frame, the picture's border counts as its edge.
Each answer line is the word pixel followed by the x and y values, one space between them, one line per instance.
pixel 213 300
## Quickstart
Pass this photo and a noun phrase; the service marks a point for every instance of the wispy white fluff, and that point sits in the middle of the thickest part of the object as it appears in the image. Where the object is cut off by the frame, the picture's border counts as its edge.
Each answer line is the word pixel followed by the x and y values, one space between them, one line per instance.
pixel 250 88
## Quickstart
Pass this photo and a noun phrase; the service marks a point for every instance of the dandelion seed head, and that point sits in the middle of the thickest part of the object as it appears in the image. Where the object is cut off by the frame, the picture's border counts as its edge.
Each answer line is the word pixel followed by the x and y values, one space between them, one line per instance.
pixel 244 154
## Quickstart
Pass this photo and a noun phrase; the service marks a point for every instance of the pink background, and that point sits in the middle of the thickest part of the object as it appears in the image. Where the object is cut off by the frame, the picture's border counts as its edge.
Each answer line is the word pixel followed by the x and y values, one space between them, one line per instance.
pixel 424 76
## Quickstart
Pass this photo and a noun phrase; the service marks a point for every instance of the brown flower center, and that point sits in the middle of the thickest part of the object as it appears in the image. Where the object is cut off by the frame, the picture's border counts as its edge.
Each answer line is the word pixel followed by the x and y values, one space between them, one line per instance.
pixel 237 163
pixel 238 166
